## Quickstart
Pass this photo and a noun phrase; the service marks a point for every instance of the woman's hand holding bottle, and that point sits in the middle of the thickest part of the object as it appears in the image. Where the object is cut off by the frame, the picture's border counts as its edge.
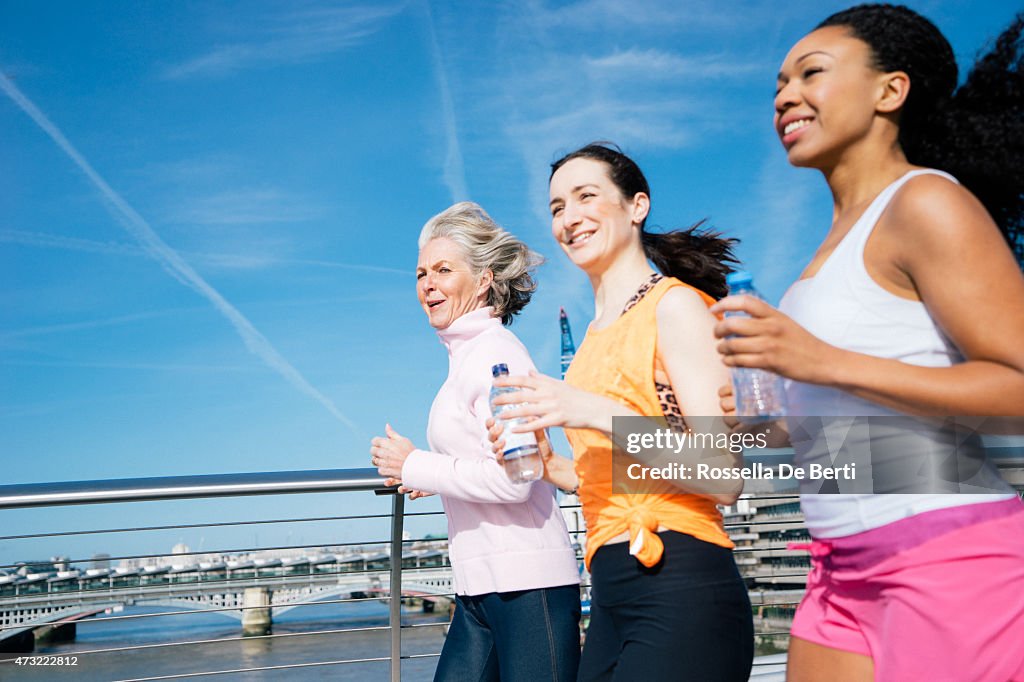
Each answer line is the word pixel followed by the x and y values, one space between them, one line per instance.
pixel 558 470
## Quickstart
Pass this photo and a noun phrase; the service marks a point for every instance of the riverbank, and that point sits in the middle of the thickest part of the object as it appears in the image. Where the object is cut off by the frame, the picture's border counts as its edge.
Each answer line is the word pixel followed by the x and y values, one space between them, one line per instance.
pixel 303 642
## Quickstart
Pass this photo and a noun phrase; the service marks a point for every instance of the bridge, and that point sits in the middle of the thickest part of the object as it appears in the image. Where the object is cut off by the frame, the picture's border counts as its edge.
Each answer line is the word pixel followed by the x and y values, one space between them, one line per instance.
pixel 251 592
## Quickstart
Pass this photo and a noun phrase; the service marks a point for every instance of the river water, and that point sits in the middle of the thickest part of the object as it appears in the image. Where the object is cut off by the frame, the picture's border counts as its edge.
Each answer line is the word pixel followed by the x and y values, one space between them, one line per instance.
pixel 301 645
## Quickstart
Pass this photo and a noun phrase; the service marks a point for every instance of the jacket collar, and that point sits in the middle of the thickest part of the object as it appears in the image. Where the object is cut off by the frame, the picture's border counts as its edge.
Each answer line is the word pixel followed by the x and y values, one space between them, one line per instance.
pixel 467 327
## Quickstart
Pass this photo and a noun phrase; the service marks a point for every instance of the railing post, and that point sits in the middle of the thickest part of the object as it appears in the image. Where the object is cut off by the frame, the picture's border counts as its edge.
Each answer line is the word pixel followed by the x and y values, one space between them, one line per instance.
pixel 395 618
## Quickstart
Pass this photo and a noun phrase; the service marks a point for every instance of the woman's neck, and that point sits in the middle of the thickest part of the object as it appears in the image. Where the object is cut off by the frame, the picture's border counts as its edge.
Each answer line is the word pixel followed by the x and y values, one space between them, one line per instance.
pixel 862 172
pixel 615 285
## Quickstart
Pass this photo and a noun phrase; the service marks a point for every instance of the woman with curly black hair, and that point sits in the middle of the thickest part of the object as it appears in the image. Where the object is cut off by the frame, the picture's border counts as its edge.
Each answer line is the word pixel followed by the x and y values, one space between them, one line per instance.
pixel 912 305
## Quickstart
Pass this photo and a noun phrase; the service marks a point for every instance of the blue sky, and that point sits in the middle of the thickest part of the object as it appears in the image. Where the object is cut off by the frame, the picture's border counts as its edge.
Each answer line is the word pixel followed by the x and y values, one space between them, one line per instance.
pixel 209 212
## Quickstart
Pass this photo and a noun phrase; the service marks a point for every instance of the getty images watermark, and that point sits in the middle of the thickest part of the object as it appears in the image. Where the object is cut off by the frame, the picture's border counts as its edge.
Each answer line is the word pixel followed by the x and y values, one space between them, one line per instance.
pixel 665 440
pixel 825 455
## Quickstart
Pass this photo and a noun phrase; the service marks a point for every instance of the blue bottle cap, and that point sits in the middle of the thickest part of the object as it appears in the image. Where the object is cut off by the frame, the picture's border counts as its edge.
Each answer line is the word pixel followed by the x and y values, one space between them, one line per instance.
pixel 499 369
pixel 738 278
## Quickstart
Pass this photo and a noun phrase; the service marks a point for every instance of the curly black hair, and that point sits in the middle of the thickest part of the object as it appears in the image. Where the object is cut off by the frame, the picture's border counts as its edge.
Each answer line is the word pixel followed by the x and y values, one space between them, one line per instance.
pixel 974 132
pixel 693 255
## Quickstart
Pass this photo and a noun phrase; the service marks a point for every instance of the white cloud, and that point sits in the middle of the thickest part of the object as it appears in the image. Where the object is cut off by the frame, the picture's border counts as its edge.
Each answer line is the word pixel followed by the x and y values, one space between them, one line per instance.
pixel 302 35
pixel 89 324
pixel 57 241
pixel 653 63
pixel 248 207
pixel 655 123
pixel 649 14
pixel 558 77
pixel 347 266
pixel 195 172
pixel 223 260
pixel 134 366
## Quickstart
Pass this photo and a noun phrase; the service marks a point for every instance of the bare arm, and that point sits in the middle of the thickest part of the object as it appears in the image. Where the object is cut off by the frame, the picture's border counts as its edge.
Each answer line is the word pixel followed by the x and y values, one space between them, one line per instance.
pixel 968 280
pixel 686 348
pixel 965 275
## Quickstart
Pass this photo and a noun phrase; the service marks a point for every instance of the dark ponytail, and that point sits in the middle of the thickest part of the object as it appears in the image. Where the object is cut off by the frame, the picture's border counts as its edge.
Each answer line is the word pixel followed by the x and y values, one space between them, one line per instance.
pixel 974 132
pixel 693 255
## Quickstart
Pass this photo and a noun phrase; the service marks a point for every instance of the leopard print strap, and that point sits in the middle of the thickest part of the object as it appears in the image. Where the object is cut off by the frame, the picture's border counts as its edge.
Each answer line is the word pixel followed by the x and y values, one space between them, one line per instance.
pixel 670 407
pixel 644 288
pixel 666 396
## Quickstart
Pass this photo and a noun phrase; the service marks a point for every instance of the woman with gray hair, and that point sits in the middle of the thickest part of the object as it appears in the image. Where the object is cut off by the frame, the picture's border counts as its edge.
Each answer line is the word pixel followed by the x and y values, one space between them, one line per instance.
pixel 516 579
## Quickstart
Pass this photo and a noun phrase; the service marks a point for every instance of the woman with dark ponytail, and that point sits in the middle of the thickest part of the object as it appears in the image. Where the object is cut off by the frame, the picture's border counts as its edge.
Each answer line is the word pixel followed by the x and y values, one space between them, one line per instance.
pixel 667 600
pixel 912 305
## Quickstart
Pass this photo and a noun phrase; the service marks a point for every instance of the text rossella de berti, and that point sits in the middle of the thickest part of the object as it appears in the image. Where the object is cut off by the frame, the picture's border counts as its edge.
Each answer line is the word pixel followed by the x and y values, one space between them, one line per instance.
pixel 653 445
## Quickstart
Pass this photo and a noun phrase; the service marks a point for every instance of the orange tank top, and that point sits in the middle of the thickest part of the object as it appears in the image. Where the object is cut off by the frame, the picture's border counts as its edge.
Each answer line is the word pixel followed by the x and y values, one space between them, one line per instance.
pixel 618 361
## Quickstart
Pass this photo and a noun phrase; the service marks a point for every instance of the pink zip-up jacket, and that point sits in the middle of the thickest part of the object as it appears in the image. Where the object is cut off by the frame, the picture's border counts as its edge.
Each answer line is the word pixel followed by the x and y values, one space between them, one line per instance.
pixel 502 537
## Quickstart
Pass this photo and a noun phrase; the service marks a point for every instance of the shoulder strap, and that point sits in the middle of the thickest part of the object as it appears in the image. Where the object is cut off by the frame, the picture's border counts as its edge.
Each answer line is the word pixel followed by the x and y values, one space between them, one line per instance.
pixel 865 225
pixel 644 288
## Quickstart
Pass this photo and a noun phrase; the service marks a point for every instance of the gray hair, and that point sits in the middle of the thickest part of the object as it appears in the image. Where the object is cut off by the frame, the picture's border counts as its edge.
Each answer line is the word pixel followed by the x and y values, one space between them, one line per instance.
pixel 487 246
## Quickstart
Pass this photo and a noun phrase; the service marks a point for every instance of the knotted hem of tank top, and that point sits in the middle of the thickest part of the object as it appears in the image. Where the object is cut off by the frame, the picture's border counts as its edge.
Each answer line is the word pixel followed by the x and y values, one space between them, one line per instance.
pixel 644 542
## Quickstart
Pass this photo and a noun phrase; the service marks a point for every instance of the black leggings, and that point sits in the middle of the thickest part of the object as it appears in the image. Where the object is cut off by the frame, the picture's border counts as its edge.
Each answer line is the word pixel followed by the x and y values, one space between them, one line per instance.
pixel 686 618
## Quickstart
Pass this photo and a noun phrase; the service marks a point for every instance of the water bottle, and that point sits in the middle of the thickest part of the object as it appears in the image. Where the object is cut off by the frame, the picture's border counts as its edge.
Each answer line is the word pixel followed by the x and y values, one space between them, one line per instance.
pixel 760 395
pixel 522 456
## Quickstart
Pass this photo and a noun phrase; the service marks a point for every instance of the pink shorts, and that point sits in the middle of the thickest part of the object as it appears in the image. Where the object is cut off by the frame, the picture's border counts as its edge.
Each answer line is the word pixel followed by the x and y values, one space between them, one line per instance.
pixel 937 596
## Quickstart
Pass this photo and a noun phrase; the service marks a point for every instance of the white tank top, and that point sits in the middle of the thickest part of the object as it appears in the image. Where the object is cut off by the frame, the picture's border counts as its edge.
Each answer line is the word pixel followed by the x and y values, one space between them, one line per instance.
pixel 844 307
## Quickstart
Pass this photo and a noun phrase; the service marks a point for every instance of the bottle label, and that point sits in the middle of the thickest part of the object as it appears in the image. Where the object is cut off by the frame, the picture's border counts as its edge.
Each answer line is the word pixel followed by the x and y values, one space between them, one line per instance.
pixel 516 441
pixel 523 451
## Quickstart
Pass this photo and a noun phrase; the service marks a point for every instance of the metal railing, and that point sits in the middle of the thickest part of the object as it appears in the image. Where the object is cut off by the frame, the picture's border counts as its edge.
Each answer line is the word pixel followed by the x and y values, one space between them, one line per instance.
pixel 225 485
pixel 340 480
pixel 212 486
pixel 190 487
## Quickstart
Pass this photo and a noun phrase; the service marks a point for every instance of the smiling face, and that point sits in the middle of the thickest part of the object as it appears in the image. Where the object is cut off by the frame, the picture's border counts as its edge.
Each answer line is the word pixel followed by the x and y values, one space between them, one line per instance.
pixel 590 219
pixel 446 285
pixel 827 97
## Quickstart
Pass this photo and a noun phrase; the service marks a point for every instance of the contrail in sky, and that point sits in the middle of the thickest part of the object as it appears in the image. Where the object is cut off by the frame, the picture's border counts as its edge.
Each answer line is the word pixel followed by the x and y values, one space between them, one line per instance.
pixel 57 241
pixel 454 170
pixel 173 263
